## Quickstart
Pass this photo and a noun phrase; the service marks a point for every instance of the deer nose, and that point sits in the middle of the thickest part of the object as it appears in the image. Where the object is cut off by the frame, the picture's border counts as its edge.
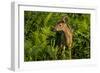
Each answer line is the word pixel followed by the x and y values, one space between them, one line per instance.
pixel 53 29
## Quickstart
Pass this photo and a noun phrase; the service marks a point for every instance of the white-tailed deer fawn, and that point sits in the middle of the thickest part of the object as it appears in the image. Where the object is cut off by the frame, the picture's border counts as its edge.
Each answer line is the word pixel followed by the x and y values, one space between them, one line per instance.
pixel 68 35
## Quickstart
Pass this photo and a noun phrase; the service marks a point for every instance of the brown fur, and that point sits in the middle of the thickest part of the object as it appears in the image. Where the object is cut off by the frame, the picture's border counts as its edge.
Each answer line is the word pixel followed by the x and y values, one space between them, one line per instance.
pixel 62 26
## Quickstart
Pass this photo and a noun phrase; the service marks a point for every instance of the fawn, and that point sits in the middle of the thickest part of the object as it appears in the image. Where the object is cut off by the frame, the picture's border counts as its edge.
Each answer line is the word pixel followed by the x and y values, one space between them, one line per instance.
pixel 66 29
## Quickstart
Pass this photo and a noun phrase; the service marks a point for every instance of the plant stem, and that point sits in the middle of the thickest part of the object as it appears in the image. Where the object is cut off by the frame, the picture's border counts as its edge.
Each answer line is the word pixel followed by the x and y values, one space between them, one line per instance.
pixel 70 55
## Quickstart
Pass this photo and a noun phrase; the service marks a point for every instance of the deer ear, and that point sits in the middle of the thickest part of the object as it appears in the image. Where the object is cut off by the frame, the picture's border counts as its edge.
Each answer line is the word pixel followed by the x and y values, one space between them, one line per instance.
pixel 65 19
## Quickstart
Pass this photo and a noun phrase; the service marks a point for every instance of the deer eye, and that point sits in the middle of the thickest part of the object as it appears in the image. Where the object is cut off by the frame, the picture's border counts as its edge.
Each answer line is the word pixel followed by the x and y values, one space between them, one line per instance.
pixel 59 25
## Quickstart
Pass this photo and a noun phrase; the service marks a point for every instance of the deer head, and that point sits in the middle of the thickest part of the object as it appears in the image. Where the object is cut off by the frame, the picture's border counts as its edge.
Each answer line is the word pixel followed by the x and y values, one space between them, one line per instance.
pixel 60 24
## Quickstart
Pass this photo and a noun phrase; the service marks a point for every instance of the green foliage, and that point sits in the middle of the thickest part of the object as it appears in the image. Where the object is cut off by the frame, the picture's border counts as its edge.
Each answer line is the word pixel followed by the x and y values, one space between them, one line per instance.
pixel 40 41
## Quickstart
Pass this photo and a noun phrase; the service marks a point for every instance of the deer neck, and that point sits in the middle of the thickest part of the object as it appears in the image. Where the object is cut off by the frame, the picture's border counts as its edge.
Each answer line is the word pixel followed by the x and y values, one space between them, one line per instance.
pixel 66 33
pixel 66 30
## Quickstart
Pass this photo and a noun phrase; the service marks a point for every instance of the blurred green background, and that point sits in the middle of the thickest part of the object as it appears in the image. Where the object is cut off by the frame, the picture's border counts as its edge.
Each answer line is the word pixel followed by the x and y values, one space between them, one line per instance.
pixel 40 41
